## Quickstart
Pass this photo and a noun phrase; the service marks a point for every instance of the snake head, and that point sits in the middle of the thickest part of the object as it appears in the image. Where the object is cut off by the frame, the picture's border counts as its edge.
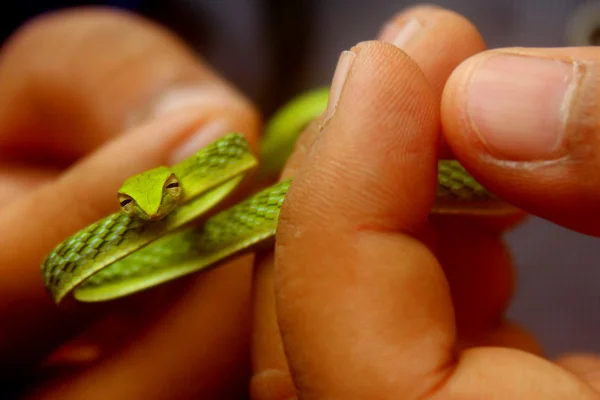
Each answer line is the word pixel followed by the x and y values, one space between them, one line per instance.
pixel 151 195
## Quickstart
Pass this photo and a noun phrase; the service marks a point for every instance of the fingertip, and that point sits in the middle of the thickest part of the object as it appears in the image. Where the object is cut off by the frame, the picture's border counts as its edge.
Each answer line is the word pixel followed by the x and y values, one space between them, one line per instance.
pixel 385 90
pixel 438 39
pixel 511 105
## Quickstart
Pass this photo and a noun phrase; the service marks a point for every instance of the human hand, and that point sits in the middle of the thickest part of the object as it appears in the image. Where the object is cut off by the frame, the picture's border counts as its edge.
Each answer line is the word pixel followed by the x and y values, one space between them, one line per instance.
pixel 89 98
pixel 372 298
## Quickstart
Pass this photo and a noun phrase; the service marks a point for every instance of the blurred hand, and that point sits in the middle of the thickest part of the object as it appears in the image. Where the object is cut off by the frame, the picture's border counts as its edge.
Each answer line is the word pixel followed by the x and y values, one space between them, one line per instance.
pixel 366 297
pixel 89 98
pixel 372 298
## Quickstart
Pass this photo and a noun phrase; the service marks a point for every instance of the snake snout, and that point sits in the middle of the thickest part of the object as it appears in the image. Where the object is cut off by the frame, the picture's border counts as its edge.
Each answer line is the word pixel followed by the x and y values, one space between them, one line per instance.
pixel 155 217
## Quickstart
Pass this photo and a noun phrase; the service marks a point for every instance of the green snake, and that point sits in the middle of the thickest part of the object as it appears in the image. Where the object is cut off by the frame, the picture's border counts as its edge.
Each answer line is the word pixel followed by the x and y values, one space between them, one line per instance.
pixel 162 231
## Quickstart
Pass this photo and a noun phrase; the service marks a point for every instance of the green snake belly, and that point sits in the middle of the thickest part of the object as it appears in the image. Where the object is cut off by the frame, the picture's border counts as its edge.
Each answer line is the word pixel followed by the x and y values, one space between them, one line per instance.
pixel 120 254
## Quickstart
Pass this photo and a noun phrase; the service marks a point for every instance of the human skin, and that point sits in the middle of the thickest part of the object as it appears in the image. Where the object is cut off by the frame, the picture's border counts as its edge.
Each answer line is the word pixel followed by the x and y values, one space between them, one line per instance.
pixel 364 297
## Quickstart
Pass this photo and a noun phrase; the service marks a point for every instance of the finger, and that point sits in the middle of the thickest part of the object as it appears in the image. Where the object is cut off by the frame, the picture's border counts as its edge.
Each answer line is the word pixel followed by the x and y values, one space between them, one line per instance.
pixel 585 366
pixel 104 72
pixel 480 273
pixel 437 39
pixel 346 272
pixel 524 122
pixel 493 372
pixel 194 107
pixel 271 379
pixel 18 179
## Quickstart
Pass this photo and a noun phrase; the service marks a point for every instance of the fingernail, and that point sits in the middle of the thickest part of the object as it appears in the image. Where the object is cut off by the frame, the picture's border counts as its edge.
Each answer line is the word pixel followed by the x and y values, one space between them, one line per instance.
pixel 205 135
pixel 400 34
pixel 209 102
pixel 337 84
pixel 519 105
pixel 198 97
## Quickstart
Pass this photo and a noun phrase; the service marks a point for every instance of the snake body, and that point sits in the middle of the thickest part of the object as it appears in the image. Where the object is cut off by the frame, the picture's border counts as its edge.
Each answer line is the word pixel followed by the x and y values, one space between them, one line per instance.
pixel 122 253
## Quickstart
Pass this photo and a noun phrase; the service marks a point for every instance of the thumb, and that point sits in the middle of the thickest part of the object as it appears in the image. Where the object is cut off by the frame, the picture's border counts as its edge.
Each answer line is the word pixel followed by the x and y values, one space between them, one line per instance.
pixel 526 124
pixel 347 271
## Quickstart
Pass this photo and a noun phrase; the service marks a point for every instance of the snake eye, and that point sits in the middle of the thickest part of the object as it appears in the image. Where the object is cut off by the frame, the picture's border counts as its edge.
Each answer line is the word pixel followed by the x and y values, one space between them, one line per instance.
pixel 126 203
pixel 172 186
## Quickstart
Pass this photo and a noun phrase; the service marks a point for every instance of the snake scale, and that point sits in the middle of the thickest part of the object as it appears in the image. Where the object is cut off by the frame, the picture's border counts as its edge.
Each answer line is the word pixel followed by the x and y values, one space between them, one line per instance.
pixel 155 236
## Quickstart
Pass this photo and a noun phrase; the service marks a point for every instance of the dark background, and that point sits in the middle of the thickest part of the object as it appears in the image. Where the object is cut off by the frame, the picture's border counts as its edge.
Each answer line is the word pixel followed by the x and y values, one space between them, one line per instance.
pixel 273 49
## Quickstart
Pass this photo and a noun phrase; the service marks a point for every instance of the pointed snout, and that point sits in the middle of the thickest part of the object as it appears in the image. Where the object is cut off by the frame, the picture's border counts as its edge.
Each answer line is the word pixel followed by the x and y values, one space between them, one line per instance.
pixel 154 216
